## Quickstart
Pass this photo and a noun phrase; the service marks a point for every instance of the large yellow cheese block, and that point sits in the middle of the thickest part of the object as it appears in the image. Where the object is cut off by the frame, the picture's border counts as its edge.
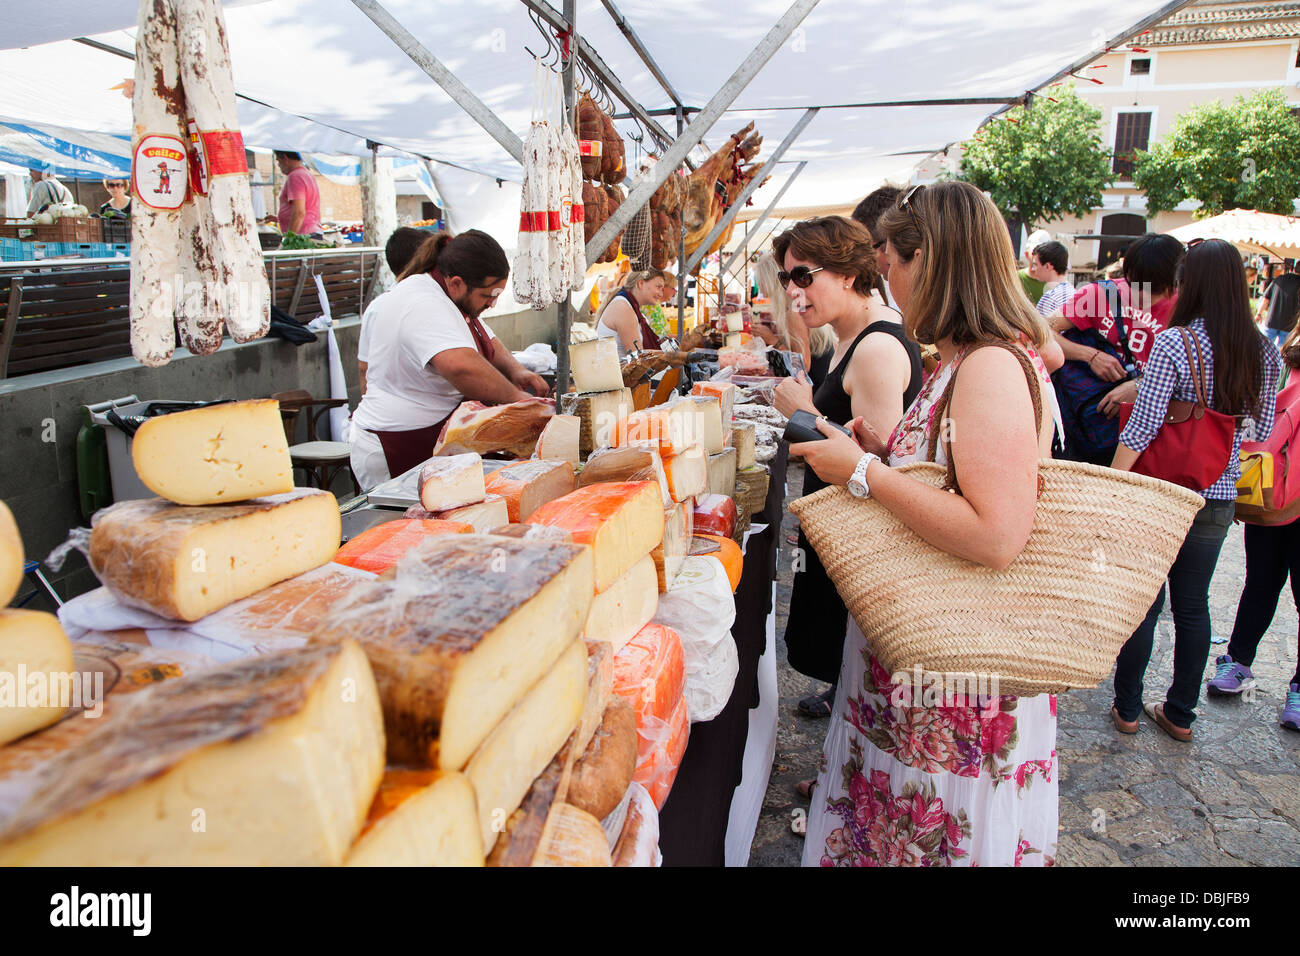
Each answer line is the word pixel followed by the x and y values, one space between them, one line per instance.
pixel 561 439
pixel 183 562
pixel 594 365
pixel 711 424
pixel 460 632
pixel 625 607
pixel 688 473
pixel 420 818
pixel 529 484
pixel 521 746
pixel 11 556
pixel 621 520
pixel 35 672
pixel 215 455
pixel 598 415
pixel 270 762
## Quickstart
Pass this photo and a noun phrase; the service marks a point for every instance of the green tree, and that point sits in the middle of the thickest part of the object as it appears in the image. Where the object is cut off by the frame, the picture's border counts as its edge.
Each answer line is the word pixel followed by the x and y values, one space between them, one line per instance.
pixel 1042 163
pixel 1243 155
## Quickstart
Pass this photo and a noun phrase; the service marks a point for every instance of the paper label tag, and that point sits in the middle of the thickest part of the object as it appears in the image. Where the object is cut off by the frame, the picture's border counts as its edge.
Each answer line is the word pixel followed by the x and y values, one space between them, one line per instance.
pixel 198 163
pixel 590 147
pixel 548 221
pixel 159 172
pixel 224 149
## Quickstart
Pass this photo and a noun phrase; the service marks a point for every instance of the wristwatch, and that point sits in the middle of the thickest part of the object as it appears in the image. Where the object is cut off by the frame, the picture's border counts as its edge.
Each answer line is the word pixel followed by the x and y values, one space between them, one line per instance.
pixel 858 486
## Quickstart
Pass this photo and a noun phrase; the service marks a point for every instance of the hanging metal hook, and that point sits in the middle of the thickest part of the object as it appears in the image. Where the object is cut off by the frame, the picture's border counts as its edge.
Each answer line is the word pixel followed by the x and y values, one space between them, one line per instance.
pixel 546 35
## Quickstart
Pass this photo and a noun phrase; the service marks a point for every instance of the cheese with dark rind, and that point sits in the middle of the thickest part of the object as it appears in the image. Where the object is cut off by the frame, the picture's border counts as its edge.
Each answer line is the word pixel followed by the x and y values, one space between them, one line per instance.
pixel 451 482
pixel 626 464
pixel 622 521
pixel 527 485
pixel 598 415
pixel 12 557
pixel 35 672
pixel 215 455
pixel 625 607
pixel 377 549
pixel 751 488
pixel 183 562
pixel 603 774
pixel 520 747
pixel 420 818
pixel 460 632
pixel 638 842
pixel 271 761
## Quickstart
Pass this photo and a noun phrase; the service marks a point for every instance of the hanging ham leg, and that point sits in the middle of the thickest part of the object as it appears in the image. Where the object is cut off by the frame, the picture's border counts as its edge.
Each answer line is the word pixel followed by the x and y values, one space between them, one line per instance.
pixel 232 259
pixel 158 183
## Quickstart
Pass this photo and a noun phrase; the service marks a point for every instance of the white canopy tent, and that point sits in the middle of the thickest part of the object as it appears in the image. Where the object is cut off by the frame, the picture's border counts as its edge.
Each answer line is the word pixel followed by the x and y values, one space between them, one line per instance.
pixel 1263 233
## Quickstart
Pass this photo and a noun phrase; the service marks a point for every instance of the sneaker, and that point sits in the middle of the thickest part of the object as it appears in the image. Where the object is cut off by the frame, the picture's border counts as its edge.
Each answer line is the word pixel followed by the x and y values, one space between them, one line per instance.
pixel 1229 677
pixel 1291 712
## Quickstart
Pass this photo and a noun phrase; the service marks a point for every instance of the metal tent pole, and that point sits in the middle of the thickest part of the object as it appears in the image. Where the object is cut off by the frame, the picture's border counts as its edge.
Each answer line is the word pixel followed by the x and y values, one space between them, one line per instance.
pixel 758 223
pixel 564 309
pixel 681 254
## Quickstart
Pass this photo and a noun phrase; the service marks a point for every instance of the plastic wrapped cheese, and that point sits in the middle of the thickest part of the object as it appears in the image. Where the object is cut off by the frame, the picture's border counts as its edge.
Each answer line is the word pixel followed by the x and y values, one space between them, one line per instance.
pixel 574 838
pixel 700 609
pixel 649 673
pixel 377 549
pixel 659 754
pixel 728 555
pixel 622 521
pixel 715 514
pixel 638 843
pixel 512 428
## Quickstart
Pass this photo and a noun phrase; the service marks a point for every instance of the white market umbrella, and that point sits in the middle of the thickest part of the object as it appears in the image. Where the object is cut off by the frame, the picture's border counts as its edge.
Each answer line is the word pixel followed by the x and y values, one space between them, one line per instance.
pixel 1254 232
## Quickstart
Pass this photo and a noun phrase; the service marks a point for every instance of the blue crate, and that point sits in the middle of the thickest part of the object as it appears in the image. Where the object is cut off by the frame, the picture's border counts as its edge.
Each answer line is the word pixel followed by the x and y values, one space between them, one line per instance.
pixel 80 250
pixel 116 249
pixel 11 250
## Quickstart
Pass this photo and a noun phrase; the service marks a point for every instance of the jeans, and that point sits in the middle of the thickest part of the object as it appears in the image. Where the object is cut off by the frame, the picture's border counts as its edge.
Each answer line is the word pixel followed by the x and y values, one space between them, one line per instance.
pixel 1271 555
pixel 1277 337
pixel 1189 588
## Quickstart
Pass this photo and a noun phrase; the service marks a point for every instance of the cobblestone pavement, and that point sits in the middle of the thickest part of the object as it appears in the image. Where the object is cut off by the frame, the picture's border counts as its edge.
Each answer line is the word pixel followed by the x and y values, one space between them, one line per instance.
pixel 1229 798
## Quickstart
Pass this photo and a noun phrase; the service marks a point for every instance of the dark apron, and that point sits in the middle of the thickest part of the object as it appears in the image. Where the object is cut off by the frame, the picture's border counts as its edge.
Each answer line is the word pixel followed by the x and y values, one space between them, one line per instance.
pixel 649 340
pixel 404 450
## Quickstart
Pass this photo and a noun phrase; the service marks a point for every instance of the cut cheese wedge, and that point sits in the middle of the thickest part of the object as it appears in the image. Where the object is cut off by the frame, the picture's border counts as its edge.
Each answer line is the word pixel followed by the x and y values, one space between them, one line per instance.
pixel 724 392
pixel 622 521
pixel 215 455
pixel 527 485
pixel 574 838
pixel 11 556
pixel 451 482
pixel 711 424
pixel 183 562
pixel 670 428
pixel 561 439
pixel 420 818
pixel 675 546
pixel 625 607
pixel 594 364
pixel 688 474
pixel 522 745
pixel 490 513
pixel 271 762
pixel 35 672
pixel 722 473
pixel 460 632
pixel 626 464
pixel 518 844
pixel 742 439
pixel 598 415
pixel 511 428
pixel 377 549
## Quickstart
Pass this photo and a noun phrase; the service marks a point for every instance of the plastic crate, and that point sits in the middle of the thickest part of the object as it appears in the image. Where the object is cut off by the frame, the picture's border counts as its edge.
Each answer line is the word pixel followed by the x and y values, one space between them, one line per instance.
pixel 12 250
pixel 80 250
pixel 119 250
pixel 67 229
pixel 115 230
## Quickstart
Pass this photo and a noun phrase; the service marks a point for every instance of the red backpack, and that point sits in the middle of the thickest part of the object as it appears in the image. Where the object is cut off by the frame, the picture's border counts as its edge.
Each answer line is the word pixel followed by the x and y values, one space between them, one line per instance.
pixel 1268 491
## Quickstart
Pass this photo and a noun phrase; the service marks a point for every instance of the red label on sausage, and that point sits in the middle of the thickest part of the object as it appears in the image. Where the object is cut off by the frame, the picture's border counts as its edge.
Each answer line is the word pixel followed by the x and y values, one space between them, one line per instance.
pixel 539 221
pixel 577 212
pixel 224 149
pixel 590 147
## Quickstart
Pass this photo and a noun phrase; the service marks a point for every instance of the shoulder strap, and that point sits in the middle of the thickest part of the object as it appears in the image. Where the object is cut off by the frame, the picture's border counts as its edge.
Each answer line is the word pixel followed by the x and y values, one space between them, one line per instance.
pixel 941 407
pixel 1196 364
pixel 1116 310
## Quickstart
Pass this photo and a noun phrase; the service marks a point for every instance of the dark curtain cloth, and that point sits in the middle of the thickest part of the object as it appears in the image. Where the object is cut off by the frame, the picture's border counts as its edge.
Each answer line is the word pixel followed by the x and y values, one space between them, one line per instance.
pixel 693 822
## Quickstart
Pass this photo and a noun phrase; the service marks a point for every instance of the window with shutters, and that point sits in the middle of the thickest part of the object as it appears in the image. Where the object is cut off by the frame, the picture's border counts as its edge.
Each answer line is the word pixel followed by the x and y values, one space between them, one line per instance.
pixel 1132 133
pixel 1140 67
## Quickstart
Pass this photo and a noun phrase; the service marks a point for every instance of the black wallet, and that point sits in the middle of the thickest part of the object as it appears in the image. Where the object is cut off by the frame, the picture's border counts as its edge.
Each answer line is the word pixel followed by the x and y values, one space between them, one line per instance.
pixel 802 426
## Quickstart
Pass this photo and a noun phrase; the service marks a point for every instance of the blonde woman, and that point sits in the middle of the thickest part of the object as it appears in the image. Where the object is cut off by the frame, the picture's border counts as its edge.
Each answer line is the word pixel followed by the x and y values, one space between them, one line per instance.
pixel 620 317
pixel 970 782
pixel 784 328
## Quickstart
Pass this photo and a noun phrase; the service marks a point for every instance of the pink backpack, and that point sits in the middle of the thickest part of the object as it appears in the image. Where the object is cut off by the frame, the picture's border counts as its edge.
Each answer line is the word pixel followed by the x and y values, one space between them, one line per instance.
pixel 1268 491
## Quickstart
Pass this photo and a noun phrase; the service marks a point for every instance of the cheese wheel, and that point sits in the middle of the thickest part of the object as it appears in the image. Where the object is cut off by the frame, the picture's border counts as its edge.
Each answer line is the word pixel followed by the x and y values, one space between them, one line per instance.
pixel 715 514
pixel 483 516
pixel 660 752
pixel 11 556
pixel 622 521
pixel 650 674
pixel 215 455
pixel 377 549
pixel 603 774
pixel 36 664
pixel 730 557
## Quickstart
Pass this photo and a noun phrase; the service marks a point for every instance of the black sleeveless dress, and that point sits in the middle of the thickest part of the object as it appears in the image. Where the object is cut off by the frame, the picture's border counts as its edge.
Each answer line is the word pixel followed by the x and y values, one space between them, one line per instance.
pixel 814 633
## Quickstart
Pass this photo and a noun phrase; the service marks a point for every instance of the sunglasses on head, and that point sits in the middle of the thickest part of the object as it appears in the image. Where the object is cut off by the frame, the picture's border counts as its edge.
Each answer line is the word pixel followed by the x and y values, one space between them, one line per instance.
pixel 801 276
pixel 906 203
pixel 114 182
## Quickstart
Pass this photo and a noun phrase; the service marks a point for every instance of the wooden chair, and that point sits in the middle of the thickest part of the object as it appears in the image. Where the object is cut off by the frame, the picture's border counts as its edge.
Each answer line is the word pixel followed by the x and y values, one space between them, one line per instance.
pixel 321 460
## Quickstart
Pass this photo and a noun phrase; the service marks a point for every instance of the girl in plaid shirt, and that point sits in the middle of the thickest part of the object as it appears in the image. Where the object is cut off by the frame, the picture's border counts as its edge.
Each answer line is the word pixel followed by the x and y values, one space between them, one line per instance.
pixel 1241 376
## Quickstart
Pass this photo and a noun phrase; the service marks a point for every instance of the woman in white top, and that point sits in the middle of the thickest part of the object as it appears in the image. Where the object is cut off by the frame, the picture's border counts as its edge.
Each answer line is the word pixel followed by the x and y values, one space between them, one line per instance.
pixel 620 318
pixel 431 352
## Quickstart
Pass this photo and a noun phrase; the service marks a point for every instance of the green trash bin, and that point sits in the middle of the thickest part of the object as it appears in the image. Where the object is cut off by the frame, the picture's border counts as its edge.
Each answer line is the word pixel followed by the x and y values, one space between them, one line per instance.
pixel 94 478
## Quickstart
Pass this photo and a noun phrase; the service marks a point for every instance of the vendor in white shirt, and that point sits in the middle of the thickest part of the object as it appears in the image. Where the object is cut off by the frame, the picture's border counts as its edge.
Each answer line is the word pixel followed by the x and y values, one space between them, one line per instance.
pixel 428 352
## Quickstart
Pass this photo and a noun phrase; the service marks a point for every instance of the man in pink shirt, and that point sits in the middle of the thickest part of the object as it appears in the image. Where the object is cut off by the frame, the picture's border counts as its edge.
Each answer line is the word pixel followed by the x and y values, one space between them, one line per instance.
pixel 299 198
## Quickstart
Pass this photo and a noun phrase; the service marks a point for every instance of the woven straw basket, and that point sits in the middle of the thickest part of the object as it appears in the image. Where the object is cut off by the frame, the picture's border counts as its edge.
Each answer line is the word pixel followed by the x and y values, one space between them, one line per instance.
pixel 1101 545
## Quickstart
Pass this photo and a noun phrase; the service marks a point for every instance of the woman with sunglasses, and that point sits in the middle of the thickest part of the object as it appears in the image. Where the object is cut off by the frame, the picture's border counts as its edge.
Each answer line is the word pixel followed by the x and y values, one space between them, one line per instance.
pixel 1241 370
pixel 829 271
pixel 971 781
pixel 119 200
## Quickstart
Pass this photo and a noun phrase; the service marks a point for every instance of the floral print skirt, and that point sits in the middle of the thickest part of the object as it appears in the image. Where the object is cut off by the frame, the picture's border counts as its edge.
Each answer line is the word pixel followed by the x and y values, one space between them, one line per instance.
pixel 959 785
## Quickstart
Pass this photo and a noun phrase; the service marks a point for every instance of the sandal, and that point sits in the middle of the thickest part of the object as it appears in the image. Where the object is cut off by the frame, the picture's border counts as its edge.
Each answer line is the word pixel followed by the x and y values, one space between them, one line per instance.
pixel 818 706
pixel 805 788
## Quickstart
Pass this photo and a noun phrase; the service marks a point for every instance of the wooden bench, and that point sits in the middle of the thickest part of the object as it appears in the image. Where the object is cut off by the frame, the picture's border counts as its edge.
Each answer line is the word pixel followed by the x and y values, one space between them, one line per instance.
pixel 54 319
